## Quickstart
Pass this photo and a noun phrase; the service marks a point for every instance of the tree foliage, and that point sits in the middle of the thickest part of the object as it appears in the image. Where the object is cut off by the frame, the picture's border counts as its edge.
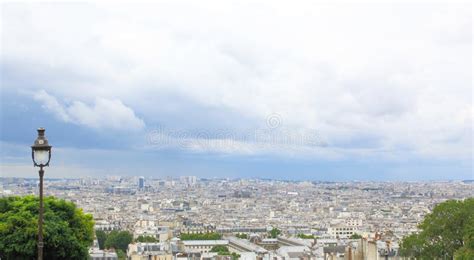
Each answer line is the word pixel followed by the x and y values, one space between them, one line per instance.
pixel 242 236
pixel 147 239
pixel 219 248
pixel 234 255
pixel 303 236
pixel 355 236
pixel 201 236
pixel 224 250
pixel 68 232
pixel 118 240
pixel 467 250
pixel 275 232
pixel 447 232
pixel 121 254
pixel 101 237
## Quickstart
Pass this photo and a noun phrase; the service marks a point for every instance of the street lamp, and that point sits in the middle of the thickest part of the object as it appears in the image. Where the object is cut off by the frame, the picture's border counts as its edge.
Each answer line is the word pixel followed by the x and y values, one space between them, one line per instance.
pixel 41 154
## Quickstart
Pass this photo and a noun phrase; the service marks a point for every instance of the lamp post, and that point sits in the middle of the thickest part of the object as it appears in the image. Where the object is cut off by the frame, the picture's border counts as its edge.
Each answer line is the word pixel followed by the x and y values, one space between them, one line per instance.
pixel 41 154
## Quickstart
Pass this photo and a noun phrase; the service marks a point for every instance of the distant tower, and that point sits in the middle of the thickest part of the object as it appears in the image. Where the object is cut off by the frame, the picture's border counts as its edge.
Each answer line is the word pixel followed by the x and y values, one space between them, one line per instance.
pixel 141 183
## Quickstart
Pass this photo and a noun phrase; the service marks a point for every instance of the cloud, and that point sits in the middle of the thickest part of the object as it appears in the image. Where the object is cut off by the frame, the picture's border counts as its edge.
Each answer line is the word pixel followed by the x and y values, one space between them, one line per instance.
pixel 103 114
pixel 395 76
pixel 52 105
pixel 228 142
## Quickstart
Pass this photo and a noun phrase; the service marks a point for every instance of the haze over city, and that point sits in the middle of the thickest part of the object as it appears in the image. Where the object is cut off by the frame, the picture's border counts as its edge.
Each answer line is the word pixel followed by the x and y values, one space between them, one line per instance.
pixel 298 91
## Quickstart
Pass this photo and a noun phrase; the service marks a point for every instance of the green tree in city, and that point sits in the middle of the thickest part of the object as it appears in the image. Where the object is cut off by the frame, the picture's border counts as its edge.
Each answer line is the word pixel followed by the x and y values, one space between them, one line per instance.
pixel 201 236
pixel 101 237
pixel 121 254
pixel 242 236
pixel 224 250
pixel 447 232
pixel 355 236
pixel 303 236
pixel 68 232
pixel 275 232
pixel 219 248
pixel 466 252
pixel 234 255
pixel 147 239
pixel 118 240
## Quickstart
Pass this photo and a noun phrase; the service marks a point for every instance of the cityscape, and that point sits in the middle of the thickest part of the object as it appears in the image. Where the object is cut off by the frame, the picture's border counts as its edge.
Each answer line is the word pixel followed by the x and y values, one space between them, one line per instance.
pixel 227 130
pixel 317 220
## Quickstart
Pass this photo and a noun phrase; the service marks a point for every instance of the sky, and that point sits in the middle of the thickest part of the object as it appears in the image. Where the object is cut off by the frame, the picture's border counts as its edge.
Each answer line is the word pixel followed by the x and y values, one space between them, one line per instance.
pixel 268 89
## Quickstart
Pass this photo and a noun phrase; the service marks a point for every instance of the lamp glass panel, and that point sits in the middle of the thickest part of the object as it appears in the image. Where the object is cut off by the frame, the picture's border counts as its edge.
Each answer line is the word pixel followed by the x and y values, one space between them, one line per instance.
pixel 41 157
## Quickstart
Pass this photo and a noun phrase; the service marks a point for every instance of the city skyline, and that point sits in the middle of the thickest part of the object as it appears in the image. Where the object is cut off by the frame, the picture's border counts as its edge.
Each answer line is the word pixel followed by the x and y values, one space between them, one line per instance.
pixel 257 219
pixel 302 91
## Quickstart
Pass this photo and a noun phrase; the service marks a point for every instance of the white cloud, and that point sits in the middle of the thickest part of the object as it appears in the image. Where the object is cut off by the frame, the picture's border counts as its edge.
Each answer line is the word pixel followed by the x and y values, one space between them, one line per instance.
pixel 52 105
pixel 396 74
pixel 103 114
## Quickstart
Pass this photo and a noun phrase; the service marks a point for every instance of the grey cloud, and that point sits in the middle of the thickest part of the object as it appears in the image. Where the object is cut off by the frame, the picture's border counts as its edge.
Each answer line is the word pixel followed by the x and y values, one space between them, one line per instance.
pixel 376 70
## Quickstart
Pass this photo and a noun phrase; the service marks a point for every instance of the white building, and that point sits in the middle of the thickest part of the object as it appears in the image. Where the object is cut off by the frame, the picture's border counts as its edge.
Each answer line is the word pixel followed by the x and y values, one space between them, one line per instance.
pixel 342 231
pixel 98 254
pixel 201 246
pixel 147 251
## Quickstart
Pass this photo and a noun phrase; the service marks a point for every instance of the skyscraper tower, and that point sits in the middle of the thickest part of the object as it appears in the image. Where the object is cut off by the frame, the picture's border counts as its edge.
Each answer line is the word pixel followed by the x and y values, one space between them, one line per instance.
pixel 141 183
